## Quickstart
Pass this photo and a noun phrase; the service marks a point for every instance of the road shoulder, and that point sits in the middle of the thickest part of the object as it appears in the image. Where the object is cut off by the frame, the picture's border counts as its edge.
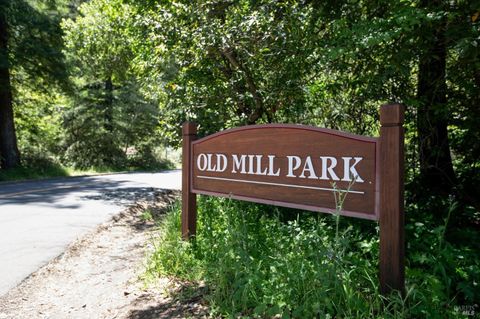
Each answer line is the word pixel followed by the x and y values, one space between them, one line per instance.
pixel 98 276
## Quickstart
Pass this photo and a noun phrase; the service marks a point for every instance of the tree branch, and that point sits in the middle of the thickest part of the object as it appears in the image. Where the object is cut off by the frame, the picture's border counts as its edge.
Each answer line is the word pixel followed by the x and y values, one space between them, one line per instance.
pixel 231 56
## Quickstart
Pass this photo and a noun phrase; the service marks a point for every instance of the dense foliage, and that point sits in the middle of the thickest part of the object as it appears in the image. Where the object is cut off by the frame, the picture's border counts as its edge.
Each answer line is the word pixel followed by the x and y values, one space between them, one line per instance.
pixel 259 261
pixel 76 99
pixel 229 63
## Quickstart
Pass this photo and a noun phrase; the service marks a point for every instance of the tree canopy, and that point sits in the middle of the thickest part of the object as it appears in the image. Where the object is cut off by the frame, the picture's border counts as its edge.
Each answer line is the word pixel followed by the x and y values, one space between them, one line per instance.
pixel 123 74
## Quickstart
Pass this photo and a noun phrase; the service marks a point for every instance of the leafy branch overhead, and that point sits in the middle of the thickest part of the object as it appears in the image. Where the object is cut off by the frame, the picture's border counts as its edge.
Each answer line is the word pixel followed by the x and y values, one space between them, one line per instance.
pixel 228 63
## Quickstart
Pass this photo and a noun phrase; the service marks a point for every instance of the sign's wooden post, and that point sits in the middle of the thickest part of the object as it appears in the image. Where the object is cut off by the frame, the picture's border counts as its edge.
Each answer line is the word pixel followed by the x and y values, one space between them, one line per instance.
pixel 189 199
pixel 392 247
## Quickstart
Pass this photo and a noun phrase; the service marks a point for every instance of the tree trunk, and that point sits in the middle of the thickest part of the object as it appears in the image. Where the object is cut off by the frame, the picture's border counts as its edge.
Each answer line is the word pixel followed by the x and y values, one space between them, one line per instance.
pixel 9 155
pixel 436 169
pixel 259 108
pixel 108 112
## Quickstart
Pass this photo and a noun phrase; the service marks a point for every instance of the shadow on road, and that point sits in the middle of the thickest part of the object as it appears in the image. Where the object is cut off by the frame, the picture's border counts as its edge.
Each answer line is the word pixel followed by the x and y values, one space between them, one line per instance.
pixel 124 196
pixel 51 192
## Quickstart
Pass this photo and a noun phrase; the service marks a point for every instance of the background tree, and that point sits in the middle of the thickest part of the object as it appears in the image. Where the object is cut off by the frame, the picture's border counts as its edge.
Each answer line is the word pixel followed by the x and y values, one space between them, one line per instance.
pixel 325 63
pixel 31 56
pixel 109 113
pixel 229 63
pixel 9 155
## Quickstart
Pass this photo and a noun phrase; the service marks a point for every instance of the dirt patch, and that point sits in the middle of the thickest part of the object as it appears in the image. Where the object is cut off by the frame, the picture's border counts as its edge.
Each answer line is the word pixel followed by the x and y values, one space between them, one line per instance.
pixel 98 276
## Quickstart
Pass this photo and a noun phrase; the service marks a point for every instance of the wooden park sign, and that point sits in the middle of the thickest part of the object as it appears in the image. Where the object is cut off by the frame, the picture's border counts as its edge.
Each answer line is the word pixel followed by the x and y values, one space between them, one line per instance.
pixel 304 167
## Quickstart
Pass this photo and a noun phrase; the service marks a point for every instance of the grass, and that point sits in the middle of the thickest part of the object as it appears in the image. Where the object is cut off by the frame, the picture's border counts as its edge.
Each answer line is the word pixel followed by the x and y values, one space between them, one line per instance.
pixel 23 173
pixel 259 261
pixel 50 169
pixel 147 215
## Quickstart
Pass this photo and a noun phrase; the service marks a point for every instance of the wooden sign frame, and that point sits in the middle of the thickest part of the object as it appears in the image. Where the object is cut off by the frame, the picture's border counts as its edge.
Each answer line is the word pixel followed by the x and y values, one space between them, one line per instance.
pixel 386 191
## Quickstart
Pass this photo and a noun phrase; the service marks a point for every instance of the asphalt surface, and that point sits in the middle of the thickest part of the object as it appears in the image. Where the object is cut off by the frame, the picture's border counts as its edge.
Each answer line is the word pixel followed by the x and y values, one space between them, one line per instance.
pixel 38 219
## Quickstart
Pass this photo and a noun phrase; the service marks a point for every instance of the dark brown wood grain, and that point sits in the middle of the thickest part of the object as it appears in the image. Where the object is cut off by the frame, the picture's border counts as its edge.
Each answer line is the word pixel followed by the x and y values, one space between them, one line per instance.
pixel 189 199
pixel 304 192
pixel 392 251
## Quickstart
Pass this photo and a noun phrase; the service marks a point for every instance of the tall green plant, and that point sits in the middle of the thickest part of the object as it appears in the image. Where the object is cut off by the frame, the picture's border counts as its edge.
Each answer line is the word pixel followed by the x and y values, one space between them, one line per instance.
pixel 259 261
pixel 257 265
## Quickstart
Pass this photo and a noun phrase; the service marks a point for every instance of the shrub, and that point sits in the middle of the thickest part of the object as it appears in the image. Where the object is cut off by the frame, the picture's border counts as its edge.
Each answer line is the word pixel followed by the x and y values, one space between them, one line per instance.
pixel 259 261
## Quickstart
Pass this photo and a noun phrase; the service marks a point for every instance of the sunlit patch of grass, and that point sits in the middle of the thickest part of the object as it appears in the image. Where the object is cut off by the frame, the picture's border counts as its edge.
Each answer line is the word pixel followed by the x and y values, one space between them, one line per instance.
pixel 33 172
pixel 52 169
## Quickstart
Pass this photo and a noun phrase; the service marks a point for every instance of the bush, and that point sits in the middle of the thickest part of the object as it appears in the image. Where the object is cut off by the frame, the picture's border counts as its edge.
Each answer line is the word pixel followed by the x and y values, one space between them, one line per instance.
pixel 34 165
pixel 258 261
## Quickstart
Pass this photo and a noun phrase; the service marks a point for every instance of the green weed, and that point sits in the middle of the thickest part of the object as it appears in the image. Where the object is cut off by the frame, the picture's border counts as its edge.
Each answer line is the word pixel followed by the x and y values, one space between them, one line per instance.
pixel 263 262
pixel 146 215
pixel 51 169
pixel 36 171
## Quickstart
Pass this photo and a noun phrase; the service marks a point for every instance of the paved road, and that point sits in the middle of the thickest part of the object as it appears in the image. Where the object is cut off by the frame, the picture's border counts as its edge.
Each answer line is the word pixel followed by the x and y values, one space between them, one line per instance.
pixel 39 219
